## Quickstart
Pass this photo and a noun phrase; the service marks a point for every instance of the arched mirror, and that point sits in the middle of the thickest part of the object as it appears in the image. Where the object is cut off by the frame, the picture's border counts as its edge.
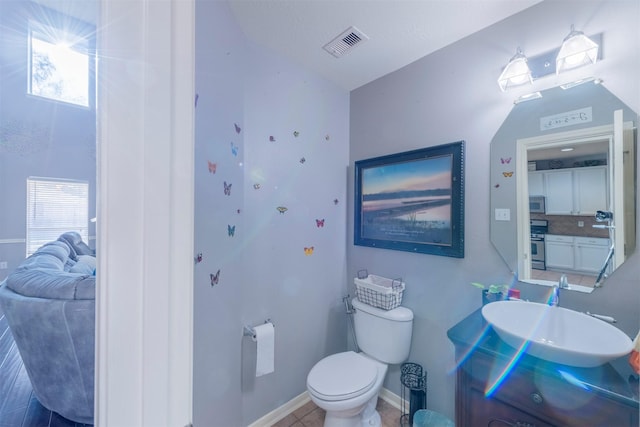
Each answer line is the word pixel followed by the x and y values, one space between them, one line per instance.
pixel 563 187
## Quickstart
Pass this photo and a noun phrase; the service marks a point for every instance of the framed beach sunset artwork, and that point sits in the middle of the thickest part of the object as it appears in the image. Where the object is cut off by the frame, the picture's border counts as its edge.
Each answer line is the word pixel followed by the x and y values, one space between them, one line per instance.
pixel 412 201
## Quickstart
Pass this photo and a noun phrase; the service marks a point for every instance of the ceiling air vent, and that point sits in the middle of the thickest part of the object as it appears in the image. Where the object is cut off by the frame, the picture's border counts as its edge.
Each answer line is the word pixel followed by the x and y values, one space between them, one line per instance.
pixel 345 42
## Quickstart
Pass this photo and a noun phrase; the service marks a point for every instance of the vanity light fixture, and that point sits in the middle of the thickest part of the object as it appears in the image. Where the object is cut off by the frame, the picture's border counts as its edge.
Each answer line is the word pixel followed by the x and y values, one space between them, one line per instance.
pixel 516 72
pixel 575 83
pixel 527 97
pixel 577 50
pixel 567 149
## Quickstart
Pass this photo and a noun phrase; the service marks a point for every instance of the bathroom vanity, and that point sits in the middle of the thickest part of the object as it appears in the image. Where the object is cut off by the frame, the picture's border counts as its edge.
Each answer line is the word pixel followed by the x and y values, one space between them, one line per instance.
pixel 498 386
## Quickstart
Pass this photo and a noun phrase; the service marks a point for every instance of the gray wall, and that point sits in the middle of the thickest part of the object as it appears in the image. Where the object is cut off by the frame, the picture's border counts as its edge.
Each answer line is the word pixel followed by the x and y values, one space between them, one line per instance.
pixel 443 98
pixel 220 65
pixel 38 137
pixel 264 272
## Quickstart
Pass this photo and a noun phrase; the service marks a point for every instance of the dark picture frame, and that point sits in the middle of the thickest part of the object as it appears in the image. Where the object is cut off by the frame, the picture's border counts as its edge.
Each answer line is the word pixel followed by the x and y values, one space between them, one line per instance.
pixel 412 201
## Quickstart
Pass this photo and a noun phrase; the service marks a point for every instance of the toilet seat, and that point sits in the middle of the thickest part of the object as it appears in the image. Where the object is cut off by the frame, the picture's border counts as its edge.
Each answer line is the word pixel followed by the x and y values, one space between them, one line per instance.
pixel 342 376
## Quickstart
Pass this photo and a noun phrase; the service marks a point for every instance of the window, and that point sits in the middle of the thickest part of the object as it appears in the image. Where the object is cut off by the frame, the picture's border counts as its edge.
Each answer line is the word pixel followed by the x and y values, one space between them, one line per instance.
pixel 55 206
pixel 59 66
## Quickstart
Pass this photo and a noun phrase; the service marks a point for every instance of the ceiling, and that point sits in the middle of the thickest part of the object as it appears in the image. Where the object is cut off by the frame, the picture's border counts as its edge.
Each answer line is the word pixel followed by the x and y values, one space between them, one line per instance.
pixel 400 31
pixel 580 149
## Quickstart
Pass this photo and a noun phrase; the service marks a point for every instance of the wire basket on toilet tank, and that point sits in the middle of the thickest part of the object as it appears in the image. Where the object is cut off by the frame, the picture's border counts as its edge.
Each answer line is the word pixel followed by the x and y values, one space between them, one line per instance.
pixel 379 291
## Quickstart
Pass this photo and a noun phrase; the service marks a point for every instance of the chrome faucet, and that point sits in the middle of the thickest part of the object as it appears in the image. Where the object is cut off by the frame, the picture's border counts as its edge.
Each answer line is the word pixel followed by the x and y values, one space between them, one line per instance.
pixel 563 283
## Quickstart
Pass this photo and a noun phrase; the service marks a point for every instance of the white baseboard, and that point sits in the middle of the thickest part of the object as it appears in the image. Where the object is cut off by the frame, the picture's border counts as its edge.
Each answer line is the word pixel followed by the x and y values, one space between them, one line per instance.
pixel 279 413
pixel 303 398
pixel 391 398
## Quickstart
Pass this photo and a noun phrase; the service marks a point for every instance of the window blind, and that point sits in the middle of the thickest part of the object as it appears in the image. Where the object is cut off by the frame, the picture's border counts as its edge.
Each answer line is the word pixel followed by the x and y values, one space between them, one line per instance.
pixel 55 206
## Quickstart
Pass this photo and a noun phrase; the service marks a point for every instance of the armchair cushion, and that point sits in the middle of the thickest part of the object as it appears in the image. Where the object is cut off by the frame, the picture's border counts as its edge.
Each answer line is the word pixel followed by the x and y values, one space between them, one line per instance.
pixel 43 275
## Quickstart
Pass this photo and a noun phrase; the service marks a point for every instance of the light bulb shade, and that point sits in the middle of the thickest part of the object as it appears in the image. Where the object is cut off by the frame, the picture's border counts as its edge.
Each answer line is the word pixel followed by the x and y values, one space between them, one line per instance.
pixel 577 50
pixel 516 72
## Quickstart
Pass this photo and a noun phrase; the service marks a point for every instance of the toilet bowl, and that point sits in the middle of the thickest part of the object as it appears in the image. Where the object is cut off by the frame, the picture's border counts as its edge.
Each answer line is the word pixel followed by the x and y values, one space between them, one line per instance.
pixel 346 386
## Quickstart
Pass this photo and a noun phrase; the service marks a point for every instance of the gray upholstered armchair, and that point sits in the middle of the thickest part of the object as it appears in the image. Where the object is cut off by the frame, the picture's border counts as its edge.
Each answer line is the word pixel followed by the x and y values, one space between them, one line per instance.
pixel 49 303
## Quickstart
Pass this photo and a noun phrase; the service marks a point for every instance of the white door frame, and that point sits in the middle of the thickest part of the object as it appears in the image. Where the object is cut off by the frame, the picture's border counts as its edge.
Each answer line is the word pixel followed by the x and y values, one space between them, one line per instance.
pixel 145 209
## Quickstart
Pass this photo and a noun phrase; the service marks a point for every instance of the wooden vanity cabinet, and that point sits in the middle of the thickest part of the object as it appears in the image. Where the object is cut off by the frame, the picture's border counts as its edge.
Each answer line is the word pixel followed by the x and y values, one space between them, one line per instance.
pixel 527 395
pixel 494 413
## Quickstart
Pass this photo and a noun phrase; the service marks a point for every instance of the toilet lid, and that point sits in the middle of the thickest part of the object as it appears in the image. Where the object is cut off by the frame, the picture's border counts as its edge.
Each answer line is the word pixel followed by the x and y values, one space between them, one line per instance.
pixel 342 376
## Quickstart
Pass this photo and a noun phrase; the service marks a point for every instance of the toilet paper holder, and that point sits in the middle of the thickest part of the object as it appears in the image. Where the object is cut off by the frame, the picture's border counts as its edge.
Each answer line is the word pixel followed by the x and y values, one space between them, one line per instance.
pixel 250 332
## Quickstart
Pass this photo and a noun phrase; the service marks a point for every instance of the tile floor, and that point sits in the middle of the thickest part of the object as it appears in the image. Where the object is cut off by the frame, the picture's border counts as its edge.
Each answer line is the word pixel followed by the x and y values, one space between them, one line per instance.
pixel 554 276
pixel 310 415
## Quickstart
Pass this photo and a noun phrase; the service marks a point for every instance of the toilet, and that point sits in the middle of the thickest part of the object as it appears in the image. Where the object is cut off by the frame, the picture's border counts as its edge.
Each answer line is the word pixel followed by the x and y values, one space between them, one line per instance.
pixel 346 385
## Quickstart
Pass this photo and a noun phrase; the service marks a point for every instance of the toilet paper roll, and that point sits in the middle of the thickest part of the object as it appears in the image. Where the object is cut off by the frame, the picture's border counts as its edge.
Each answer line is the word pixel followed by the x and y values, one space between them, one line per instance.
pixel 265 339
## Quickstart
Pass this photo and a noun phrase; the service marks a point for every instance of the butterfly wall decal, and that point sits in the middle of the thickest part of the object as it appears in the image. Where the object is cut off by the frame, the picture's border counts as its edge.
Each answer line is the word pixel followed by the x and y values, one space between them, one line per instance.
pixel 327 137
pixel 256 186
pixel 272 138
pixel 238 128
pixel 336 201
pixel 296 133
pixel 282 209
pixel 320 222
pixel 234 149
pixel 231 230
pixel 308 251
pixel 227 188
pixel 504 160
pixel 507 174
pixel 215 278
pixel 198 258
pixel 302 160
pixel 196 101
pixel 212 167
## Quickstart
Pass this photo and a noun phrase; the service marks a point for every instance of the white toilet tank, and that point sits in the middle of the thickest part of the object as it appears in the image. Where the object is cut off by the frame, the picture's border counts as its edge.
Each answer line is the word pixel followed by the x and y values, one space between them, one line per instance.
pixel 383 334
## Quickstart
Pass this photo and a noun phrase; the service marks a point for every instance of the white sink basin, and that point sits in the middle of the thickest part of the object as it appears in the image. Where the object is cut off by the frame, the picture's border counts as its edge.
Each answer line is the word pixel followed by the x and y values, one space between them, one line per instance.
pixel 556 334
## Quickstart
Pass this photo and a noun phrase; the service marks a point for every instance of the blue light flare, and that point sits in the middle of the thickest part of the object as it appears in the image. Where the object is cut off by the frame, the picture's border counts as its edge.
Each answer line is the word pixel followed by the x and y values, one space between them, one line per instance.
pixel 491 388
pixel 572 379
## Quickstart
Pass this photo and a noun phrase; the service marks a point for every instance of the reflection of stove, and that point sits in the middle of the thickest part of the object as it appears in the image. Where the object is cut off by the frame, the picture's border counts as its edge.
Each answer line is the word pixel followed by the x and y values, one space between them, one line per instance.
pixel 539 228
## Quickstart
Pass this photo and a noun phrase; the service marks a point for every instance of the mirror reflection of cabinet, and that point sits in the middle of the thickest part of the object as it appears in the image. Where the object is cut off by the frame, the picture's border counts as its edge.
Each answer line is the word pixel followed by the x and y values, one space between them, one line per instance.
pixel 559 252
pixel 536 183
pixel 590 253
pixel 580 191
pixel 576 254
pixel 590 190
pixel 559 192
